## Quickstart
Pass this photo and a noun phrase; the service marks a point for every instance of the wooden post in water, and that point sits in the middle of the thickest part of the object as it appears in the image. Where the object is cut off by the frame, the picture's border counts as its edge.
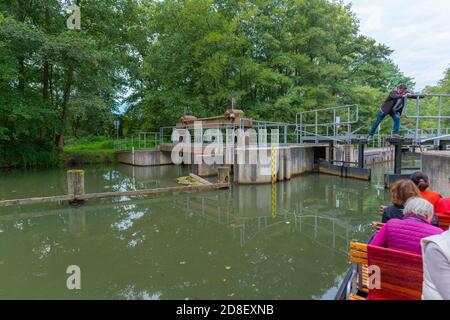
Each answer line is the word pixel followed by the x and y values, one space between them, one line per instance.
pixel 223 175
pixel 75 185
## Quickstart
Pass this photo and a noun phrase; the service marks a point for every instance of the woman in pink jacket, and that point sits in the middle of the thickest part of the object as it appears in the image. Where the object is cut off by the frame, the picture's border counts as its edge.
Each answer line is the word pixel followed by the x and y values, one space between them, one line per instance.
pixel 406 234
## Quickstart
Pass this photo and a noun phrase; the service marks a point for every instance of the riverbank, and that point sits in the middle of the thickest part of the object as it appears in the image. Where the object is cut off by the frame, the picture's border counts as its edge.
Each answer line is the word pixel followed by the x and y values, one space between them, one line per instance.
pixel 93 150
pixel 98 150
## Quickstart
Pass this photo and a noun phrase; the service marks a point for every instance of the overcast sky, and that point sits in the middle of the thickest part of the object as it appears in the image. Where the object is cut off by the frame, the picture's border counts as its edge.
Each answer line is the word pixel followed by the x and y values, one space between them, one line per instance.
pixel 418 31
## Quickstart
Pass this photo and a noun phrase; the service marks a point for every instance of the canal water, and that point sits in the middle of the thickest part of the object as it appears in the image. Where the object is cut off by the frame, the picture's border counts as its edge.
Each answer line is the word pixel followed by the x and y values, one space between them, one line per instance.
pixel 207 245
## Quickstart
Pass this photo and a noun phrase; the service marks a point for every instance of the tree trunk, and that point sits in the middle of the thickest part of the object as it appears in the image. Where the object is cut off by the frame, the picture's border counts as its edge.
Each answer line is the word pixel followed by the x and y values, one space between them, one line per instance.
pixel 45 93
pixel 50 85
pixel 66 98
pixel 46 71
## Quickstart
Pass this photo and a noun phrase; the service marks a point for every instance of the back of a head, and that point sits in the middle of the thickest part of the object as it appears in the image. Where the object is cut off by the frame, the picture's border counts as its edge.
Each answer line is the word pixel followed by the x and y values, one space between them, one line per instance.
pixel 402 190
pixel 421 180
pixel 402 86
pixel 418 206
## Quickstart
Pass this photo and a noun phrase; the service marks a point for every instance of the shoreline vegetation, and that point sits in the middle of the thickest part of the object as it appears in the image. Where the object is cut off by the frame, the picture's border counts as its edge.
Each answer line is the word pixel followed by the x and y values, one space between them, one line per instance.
pixel 96 150
pixel 77 152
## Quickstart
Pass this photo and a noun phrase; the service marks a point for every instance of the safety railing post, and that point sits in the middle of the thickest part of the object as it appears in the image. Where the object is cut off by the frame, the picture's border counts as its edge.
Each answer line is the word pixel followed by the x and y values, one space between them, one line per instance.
pixel 334 125
pixel 316 130
pixel 439 120
pixel 348 122
pixel 417 119
pixel 301 128
pixel 285 134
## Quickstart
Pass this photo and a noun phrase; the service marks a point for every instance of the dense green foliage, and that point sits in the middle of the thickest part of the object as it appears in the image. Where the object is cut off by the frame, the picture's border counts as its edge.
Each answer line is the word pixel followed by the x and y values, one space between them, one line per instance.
pixel 161 59
pixel 276 57
pixel 430 107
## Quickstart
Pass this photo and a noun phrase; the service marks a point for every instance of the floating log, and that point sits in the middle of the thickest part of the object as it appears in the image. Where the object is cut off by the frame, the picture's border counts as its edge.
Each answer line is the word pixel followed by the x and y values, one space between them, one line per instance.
pixel 75 187
pixel 6 203
pixel 72 198
pixel 153 191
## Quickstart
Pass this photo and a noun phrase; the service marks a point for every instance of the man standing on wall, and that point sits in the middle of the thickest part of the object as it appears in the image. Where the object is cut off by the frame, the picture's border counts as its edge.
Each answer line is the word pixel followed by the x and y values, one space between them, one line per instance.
pixel 393 106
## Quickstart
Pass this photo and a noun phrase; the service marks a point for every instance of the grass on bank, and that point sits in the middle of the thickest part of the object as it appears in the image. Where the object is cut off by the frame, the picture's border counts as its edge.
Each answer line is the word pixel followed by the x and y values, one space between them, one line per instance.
pixel 91 150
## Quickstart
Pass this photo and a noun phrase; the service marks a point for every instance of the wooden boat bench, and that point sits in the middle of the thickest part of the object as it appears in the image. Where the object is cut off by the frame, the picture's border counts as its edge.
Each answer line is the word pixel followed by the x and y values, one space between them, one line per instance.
pixel 400 273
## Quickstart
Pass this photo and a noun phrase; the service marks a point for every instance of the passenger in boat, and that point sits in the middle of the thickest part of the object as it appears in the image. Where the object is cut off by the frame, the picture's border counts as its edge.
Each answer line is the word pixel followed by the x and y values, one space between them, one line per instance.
pixel 443 206
pixel 401 191
pixel 436 267
pixel 406 234
pixel 423 183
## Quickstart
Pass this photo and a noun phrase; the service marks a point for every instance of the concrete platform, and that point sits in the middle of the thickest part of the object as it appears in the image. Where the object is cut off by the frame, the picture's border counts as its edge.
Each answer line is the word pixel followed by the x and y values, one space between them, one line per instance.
pixel 290 160
pixel 144 158
pixel 436 164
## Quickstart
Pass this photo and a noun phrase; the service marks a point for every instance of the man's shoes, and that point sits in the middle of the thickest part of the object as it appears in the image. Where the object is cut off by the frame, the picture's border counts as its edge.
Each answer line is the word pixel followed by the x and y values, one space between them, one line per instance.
pixel 396 136
pixel 369 137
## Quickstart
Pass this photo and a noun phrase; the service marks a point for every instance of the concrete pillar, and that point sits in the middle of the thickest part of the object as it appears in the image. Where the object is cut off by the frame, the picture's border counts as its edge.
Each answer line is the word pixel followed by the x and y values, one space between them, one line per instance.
pixel 223 174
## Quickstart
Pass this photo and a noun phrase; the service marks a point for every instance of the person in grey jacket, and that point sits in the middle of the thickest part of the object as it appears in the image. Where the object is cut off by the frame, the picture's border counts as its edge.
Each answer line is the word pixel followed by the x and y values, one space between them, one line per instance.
pixel 393 106
pixel 436 267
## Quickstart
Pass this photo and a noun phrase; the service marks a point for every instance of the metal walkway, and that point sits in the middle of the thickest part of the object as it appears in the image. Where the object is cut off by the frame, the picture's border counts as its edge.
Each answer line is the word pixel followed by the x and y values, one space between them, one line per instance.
pixel 337 124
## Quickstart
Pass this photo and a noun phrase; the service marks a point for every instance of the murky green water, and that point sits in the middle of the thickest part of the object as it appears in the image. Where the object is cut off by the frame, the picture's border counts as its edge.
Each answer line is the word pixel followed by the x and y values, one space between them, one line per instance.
pixel 208 245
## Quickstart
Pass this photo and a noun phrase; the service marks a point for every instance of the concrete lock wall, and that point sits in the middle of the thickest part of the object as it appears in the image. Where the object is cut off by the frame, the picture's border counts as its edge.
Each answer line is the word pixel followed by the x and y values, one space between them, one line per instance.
pixel 345 153
pixel 144 158
pixel 291 161
pixel 436 164
pixel 371 156
pixel 379 155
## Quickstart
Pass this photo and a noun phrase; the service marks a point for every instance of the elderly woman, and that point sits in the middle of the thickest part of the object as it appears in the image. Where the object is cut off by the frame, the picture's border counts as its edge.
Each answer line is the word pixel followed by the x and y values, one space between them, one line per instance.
pixel 436 267
pixel 406 234
pixel 401 191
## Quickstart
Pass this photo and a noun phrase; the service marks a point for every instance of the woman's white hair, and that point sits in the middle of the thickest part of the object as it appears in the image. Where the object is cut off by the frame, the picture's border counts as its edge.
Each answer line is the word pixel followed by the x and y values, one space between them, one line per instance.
pixel 418 206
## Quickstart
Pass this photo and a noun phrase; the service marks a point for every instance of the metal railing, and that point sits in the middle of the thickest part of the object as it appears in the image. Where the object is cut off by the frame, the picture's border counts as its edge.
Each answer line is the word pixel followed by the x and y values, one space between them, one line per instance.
pixel 439 133
pixel 140 140
pixel 281 133
pixel 326 123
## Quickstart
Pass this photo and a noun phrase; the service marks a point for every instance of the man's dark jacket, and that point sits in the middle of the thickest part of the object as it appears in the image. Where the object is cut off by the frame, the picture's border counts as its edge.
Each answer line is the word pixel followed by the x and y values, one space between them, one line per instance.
pixel 395 102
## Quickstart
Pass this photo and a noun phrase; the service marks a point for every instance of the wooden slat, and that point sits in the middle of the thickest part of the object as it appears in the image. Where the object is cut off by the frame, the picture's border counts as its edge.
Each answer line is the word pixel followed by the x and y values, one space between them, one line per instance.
pixel 200 179
pixel 358 254
pixel 358 260
pixel 376 226
pixel 359 246
pixel 356 297
pixel 412 293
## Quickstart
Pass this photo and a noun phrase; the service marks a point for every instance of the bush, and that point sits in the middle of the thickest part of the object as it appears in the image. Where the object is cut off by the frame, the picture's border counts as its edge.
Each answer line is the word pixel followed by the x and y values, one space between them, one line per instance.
pixel 19 154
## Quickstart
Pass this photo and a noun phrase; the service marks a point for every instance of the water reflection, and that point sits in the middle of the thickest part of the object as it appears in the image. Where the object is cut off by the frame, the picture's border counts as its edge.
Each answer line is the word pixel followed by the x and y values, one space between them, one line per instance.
pixel 207 245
